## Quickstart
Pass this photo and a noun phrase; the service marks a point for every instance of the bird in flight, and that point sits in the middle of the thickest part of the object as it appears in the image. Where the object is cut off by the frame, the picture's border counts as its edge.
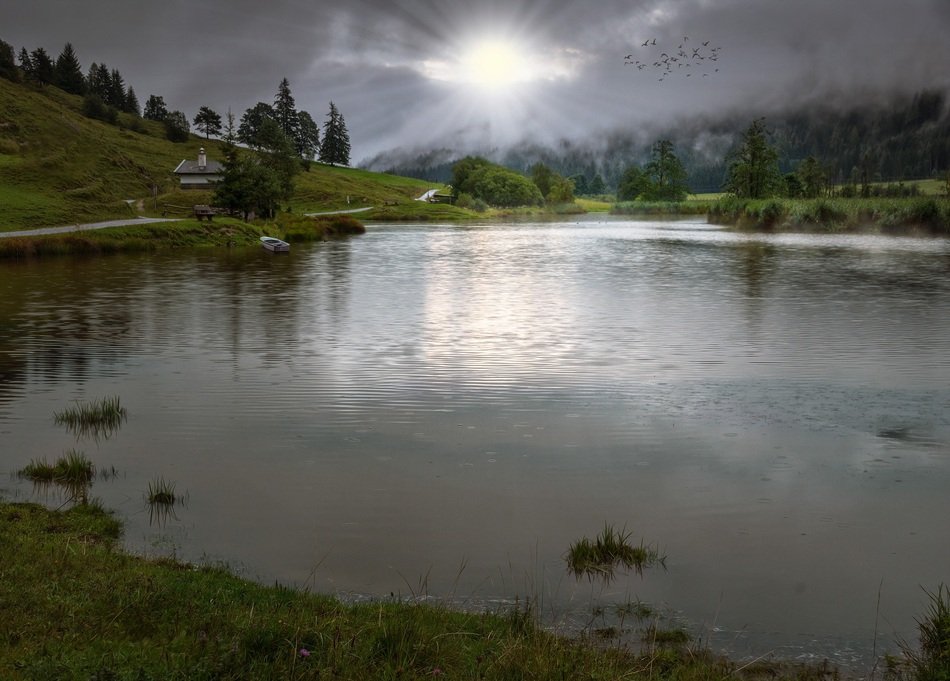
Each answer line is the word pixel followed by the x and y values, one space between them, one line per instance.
pixel 688 57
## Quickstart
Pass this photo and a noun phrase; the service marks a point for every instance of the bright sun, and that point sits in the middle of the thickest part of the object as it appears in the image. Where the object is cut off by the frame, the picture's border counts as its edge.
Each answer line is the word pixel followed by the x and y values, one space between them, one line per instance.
pixel 496 65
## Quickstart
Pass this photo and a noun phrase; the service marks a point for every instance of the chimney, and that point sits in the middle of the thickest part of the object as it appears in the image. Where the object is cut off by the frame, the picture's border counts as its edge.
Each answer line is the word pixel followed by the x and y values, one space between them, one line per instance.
pixel 202 159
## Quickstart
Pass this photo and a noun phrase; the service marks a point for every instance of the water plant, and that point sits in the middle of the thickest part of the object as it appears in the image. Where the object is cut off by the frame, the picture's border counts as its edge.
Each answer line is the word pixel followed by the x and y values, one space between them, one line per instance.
pixel 161 491
pixel 161 498
pixel 931 661
pixel 38 471
pixel 73 468
pixel 610 550
pixel 99 417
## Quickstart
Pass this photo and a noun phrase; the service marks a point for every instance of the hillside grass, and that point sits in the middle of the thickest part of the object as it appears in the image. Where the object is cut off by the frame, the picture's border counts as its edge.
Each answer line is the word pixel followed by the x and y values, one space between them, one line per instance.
pixel 75 606
pixel 58 167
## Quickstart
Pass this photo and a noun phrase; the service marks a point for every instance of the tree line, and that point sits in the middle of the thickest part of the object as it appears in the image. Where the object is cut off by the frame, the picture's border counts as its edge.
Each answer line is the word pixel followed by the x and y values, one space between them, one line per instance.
pixel 106 94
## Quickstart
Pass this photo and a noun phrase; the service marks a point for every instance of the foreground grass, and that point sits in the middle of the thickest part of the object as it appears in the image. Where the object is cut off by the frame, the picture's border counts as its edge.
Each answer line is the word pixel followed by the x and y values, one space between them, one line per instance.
pixel 74 606
pixel 919 215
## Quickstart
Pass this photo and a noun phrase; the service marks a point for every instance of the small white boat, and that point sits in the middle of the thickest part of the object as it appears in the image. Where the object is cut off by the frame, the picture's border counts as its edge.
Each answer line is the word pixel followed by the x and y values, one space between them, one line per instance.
pixel 275 245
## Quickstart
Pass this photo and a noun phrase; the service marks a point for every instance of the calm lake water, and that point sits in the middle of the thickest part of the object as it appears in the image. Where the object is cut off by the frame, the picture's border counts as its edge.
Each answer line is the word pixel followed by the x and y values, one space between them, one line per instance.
pixel 442 410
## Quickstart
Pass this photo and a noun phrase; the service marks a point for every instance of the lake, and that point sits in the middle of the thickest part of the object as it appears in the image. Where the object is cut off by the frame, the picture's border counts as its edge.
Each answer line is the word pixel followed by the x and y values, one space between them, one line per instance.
pixel 440 410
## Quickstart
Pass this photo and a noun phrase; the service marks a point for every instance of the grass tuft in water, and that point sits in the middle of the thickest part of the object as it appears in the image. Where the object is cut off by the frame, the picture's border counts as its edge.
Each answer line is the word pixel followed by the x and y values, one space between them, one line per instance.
pixel 161 492
pixel 99 417
pixel 38 471
pixel 74 468
pixel 610 550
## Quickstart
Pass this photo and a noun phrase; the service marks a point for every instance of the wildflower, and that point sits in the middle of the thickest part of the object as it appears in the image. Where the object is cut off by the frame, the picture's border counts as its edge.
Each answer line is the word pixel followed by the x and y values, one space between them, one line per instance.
pixel 303 652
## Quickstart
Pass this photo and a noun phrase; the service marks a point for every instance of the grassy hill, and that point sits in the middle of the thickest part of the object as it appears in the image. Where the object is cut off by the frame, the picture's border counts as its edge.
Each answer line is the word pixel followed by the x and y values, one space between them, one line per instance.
pixel 58 167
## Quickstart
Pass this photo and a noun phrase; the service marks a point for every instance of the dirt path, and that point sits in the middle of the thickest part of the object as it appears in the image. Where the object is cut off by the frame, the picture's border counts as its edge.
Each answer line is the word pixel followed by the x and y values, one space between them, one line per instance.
pixel 339 212
pixel 80 228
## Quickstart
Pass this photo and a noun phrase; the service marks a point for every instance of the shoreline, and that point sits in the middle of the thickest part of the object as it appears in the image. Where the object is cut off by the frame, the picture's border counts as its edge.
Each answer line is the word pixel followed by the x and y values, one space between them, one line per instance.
pixel 129 614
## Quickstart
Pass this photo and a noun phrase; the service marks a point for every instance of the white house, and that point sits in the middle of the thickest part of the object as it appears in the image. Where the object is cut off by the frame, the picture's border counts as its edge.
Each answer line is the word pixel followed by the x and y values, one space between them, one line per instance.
pixel 200 174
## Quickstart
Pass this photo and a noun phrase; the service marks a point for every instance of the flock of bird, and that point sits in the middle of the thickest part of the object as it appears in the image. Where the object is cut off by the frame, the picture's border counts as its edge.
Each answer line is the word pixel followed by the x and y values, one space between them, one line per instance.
pixel 686 61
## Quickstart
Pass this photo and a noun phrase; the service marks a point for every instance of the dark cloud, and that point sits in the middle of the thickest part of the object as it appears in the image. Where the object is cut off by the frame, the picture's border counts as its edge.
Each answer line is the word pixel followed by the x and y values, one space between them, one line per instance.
pixel 378 59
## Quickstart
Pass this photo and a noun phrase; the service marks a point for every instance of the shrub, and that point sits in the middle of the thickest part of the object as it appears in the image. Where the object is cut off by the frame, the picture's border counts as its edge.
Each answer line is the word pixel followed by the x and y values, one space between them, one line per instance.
pixel 94 107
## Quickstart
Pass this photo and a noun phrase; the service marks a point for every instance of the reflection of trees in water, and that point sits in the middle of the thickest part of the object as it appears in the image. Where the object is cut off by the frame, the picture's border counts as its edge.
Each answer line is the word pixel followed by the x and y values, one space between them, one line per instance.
pixel 755 260
pixel 66 318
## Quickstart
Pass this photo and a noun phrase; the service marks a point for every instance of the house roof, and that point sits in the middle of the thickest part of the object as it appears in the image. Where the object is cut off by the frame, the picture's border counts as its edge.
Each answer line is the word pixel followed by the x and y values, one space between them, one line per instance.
pixel 191 168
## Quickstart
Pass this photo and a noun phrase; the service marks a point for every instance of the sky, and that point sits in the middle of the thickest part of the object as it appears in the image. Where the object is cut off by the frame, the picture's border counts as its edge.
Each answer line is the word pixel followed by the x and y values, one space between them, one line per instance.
pixel 474 75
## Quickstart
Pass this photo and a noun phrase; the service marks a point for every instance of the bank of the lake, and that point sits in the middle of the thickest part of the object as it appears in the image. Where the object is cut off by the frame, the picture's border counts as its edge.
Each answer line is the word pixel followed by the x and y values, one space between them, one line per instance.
pixel 187 233
pixel 917 215
pixel 74 605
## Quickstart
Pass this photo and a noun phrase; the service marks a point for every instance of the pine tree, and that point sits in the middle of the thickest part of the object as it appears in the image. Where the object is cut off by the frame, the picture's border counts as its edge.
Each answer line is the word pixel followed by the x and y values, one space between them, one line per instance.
pixel 131 103
pixel 230 132
pixel 44 70
pixel 69 72
pixel 99 81
pixel 336 140
pixel 116 90
pixel 208 121
pixel 285 112
pixel 307 142
pixel 26 64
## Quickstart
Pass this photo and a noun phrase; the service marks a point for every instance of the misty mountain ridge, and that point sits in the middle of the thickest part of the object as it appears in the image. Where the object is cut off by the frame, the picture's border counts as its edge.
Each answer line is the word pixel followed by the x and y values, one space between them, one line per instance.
pixel 901 137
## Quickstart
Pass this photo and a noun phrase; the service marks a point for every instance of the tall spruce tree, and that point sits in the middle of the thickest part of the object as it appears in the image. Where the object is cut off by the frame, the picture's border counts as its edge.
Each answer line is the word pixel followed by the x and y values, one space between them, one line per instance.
pixel 131 103
pixel 99 81
pixel 69 72
pixel 26 64
pixel 335 148
pixel 116 90
pixel 285 111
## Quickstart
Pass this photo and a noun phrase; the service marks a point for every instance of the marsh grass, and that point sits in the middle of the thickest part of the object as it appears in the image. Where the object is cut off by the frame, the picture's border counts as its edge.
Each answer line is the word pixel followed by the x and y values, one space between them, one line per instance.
pixel 73 473
pixel 609 551
pixel 38 471
pixel 930 661
pixel 73 468
pixel 99 418
pixel 918 215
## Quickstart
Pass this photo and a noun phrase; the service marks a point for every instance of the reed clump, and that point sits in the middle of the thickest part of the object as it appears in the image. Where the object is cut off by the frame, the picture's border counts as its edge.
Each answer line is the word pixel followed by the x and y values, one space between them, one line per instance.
pixel 607 552
pixel 73 468
pixel 161 492
pixel 99 417
pixel 930 661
